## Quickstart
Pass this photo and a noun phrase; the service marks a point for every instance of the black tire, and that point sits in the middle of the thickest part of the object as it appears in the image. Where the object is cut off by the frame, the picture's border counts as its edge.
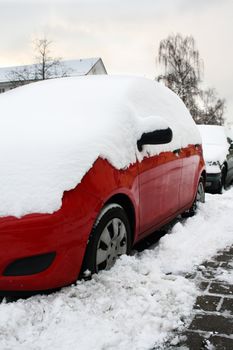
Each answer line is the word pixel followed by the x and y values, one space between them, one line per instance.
pixel 199 198
pixel 222 181
pixel 110 238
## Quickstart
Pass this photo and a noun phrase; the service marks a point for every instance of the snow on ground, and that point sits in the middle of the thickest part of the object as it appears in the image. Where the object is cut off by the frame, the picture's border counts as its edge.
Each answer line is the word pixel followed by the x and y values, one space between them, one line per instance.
pixel 52 132
pixel 225 275
pixel 138 304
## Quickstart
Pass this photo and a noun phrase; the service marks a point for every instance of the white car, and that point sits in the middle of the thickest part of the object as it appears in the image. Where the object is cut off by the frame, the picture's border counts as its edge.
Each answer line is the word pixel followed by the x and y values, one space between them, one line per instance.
pixel 218 155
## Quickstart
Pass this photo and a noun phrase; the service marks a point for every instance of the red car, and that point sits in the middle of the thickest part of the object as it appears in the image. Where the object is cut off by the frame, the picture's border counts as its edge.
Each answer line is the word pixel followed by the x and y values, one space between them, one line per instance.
pixel 113 206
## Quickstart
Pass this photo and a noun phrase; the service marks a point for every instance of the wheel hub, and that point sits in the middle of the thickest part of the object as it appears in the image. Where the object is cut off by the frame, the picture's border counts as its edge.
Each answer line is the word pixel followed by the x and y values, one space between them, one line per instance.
pixel 112 244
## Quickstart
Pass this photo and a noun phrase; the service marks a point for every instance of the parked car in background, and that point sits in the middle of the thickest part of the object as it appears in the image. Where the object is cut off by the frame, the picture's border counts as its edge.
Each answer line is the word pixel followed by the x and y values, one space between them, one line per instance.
pixel 218 155
pixel 99 164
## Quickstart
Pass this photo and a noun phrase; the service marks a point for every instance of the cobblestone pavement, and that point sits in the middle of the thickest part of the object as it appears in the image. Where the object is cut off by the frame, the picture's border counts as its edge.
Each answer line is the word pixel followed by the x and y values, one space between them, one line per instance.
pixel 212 325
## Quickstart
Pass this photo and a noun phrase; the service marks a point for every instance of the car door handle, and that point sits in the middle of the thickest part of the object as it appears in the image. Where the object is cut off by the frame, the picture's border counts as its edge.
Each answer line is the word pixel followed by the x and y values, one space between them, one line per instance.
pixel 177 151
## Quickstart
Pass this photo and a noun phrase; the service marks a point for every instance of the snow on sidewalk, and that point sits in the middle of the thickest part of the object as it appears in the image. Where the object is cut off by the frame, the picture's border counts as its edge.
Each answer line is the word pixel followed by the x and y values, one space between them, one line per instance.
pixel 138 304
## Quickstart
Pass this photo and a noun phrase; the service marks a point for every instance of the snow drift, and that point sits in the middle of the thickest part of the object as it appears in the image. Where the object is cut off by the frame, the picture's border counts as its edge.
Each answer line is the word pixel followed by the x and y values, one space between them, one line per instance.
pixel 52 132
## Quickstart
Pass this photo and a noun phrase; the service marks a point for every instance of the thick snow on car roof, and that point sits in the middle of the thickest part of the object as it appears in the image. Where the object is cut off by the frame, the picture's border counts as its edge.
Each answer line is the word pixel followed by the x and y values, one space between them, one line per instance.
pixel 52 132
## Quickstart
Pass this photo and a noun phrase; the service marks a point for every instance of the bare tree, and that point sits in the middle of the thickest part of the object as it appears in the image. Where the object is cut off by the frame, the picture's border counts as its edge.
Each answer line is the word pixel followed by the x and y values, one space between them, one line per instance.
pixel 212 109
pixel 183 71
pixel 45 66
pixel 182 67
pixel 21 76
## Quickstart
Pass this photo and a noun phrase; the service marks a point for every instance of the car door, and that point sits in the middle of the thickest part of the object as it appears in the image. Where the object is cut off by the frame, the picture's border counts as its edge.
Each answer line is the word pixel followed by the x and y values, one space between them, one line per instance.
pixel 159 184
pixel 190 170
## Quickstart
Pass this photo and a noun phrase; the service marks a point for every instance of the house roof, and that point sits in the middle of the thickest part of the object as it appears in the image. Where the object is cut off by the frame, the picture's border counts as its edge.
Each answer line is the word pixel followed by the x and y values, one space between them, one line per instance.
pixel 67 68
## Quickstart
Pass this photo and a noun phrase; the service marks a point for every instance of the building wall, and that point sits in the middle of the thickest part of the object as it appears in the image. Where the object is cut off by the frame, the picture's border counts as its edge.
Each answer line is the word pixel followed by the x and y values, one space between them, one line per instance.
pixel 98 68
pixel 4 87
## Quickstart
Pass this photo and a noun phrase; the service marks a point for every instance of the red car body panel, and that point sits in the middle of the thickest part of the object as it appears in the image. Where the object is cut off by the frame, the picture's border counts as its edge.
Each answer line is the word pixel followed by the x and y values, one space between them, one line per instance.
pixel 158 188
pixel 159 177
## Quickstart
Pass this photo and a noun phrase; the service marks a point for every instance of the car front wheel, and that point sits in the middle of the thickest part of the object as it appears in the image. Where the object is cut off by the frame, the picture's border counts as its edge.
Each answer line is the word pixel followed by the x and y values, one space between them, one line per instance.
pixel 109 239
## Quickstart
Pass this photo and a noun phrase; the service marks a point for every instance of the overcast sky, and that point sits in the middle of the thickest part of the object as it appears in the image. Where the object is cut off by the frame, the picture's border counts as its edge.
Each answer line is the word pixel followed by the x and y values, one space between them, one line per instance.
pixel 125 33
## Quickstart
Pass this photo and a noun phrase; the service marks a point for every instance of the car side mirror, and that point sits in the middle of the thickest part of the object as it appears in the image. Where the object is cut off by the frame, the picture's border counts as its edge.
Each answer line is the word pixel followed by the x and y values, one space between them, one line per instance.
pixel 156 137
pixel 231 147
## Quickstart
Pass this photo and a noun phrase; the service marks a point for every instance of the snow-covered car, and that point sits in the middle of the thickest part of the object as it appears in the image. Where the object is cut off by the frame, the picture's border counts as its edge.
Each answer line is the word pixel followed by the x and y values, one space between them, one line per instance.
pixel 88 167
pixel 218 155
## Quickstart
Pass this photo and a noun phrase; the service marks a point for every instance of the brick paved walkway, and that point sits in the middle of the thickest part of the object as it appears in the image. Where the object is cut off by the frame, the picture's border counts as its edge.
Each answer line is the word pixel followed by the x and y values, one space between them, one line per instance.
pixel 212 325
